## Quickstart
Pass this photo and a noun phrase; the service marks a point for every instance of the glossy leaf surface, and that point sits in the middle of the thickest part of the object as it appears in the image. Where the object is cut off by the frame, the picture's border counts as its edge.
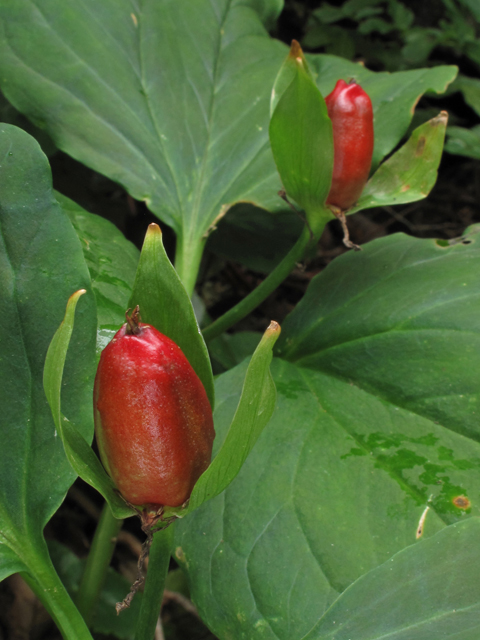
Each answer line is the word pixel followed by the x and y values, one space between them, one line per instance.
pixel 112 262
pixel 181 123
pixel 41 265
pixel 429 590
pixel 378 395
pixel 120 91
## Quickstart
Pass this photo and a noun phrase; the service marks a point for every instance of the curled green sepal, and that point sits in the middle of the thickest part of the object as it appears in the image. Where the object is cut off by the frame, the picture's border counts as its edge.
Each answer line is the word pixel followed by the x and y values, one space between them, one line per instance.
pixel 254 410
pixel 79 453
pixel 165 304
pixel 410 173
pixel 302 140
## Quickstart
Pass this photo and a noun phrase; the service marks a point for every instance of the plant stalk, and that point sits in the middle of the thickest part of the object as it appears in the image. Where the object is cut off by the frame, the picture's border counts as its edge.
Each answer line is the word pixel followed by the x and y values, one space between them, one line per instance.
pixel 188 255
pixel 50 590
pixel 158 563
pixel 271 282
pixel 98 562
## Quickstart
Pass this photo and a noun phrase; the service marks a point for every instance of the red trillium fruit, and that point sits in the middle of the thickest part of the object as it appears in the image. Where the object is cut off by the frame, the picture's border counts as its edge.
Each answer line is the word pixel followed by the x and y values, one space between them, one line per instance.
pixel 350 111
pixel 153 420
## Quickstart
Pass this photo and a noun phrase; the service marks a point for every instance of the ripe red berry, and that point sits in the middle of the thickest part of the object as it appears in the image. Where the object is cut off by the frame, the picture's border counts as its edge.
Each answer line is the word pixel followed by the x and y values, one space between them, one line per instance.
pixel 350 111
pixel 153 420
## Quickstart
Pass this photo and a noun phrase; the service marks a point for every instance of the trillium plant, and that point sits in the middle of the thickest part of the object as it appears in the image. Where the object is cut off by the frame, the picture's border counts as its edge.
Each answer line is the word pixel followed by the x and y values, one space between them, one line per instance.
pixel 325 483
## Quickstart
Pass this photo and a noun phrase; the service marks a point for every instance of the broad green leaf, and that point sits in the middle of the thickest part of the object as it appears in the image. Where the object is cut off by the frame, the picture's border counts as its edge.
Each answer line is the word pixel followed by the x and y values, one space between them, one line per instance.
pixel 430 590
pixel 470 87
pixel 180 122
pixel 302 144
pixel 254 410
pixel 377 316
pixel 378 393
pixel 9 562
pixel 463 142
pixel 42 264
pixel 79 453
pixel 410 174
pixel 165 304
pixel 393 95
pixel 9 115
pixel 112 262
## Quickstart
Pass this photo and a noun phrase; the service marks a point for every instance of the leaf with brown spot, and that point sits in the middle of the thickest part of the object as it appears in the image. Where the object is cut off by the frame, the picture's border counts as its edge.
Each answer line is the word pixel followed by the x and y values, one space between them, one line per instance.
pixel 410 174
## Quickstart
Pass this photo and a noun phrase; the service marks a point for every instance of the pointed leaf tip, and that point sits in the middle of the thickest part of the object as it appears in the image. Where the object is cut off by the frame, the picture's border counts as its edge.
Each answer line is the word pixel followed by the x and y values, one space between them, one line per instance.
pixel 296 50
pixel 274 328
pixel 75 296
pixel 154 228
pixel 441 119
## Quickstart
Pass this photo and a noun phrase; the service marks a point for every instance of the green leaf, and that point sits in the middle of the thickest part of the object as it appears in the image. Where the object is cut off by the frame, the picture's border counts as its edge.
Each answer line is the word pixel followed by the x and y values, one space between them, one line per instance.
pixel 302 144
pixel 112 262
pixel 180 122
pixel 470 87
pixel 165 304
pixel 463 142
pixel 429 590
pixel 42 264
pixel 254 410
pixel 78 451
pixel 55 360
pixel 410 174
pixel 376 419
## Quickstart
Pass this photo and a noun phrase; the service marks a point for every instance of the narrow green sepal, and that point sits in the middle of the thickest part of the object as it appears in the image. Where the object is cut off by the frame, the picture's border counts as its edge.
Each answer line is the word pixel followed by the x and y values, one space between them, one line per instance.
pixel 78 451
pixel 411 172
pixel 254 410
pixel 287 74
pixel 301 137
pixel 165 304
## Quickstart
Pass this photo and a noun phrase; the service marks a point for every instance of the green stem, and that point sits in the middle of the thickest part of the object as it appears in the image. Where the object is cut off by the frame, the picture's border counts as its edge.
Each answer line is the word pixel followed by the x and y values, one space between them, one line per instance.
pixel 50 590
pixel 188 255
pixel 158 562
pixel 271 282
pixel 98 562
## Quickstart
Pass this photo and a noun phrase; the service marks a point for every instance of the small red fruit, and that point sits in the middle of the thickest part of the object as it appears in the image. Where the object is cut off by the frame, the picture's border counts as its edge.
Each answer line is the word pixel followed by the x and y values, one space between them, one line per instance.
pixel 153 420
pixel 350 110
